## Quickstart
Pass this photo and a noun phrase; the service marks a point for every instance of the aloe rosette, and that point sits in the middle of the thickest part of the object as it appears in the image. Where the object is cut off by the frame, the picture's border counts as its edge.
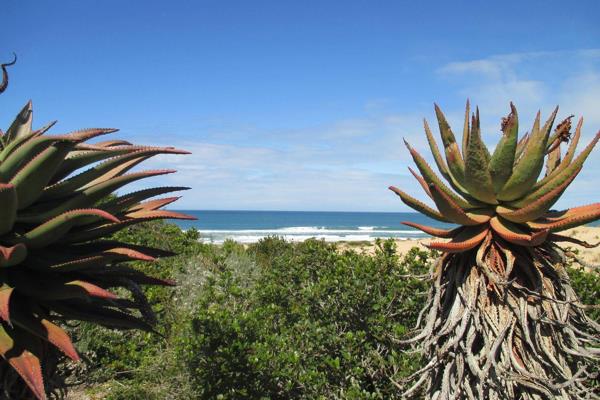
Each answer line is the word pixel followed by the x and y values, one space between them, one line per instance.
pixel 57 209
pixel 502 320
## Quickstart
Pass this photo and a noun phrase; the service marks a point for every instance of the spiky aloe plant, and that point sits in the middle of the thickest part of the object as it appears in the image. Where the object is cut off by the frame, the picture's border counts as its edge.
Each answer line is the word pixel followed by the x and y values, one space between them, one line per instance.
pixel 502 320
pixel 56 264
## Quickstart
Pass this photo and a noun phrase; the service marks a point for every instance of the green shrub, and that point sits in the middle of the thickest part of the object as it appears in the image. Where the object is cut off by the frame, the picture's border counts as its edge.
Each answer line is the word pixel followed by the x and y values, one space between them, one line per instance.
pixel 315 323
pixel 272 320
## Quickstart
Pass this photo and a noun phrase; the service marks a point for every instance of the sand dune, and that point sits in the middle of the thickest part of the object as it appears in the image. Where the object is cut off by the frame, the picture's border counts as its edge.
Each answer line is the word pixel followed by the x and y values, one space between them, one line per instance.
pixel 587 234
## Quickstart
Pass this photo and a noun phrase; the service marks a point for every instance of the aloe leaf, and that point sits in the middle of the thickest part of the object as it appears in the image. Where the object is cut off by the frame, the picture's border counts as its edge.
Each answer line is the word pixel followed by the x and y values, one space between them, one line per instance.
pixel 132 274
pixel 553 160
pixel 478 180
pixel 528 168
pixel 124 202
pixel 540 206
pixel 79 159
pixel 99 315
pixel 21 126
pixel 82 135
pixel 561 177
pixel 159 214
pixel 88 197
pixel 30 181
pixel 441 233
pixel 574 217
pixel 515 235
pixel 454 159
pixel 113 143
pixel 418 205
pixel 466 240
pixel 95 176
pixel 152 204
pixel 93 259
pixel 21 359
pixel 109 246
pixel 20 156
pixel 466 130
pixel 8 208
pixel 108 169
pixel 431 178
pixel 439 161
pixel 101 230
pixel 566 161
pixel 137 157
pixel 502 161
pixel 521 145
pixel 15 143
pixel 451 210
pixel 45 330
pixel 45 287
pixel 10 256
pixel 53 230
pixel 441 164
pixel 421 181
pixel 44 129
pixel 6 292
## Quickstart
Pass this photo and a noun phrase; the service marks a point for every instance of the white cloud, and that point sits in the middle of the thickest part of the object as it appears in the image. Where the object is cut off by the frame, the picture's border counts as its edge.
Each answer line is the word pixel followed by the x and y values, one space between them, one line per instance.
pixel 348 164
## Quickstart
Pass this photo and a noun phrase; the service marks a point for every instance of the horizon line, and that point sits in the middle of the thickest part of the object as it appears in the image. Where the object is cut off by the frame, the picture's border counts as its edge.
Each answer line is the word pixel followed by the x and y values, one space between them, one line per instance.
pixel 306 211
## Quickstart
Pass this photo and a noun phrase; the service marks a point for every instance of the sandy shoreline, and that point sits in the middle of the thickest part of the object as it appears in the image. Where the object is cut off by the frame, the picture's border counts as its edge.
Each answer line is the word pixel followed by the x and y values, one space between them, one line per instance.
pixel 585 233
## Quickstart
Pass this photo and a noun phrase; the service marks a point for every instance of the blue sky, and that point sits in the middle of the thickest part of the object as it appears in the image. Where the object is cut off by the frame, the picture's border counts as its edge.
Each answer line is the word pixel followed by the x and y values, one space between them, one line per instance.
pixel 299 105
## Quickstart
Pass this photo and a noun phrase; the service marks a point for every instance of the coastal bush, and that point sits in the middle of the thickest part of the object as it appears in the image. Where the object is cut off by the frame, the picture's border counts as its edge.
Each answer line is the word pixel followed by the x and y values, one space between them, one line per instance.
pixel 315 322
pixel 274 320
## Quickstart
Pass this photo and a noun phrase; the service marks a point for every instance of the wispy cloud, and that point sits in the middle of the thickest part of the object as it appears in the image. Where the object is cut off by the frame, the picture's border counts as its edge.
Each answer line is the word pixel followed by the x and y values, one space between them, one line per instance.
pixel 347 164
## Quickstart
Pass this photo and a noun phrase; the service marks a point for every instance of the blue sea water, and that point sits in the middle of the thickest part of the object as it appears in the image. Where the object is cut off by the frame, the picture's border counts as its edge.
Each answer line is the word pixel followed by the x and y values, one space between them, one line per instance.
pixel 251 226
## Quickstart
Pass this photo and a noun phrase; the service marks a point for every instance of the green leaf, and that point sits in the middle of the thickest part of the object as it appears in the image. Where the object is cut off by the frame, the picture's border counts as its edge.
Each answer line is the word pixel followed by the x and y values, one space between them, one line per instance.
pixel 15 347
pixel 8 208
pixel 14 255
pixel 529 166
pixel 566 161
pixel 85 198
pixel 418 205
pixel 562 176
pixel 31 180
pixel 430 177
pixel 454 159
pixel 452 211
pixel 502 161
pixel 540 205
pixel 53 230
pixel 478 180
pixel 466 130
pixel 111 168
pixel 21 126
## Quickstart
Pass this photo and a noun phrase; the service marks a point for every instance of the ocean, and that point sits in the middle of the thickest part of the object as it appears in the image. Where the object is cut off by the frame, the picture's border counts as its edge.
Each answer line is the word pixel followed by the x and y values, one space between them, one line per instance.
pixel 251 226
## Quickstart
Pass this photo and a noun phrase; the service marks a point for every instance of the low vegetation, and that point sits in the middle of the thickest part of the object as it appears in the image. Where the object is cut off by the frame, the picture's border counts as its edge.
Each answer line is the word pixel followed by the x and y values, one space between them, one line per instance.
pixel 272 320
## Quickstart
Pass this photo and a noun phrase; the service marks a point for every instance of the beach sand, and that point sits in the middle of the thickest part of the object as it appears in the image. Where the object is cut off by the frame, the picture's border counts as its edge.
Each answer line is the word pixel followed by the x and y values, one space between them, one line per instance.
pixel 585 233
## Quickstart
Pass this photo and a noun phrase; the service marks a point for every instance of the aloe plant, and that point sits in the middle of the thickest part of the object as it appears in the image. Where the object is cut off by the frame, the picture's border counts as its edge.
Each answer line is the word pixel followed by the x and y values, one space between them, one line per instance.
pixel 502 320
pixel 56 263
